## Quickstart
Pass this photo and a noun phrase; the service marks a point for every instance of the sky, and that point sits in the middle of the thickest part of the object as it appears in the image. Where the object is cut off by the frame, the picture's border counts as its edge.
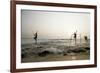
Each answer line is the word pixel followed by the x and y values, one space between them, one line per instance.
pixel 54 24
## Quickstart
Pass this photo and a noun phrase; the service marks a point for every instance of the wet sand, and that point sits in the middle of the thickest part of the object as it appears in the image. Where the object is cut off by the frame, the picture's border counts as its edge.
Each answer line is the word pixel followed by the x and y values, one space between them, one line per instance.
pixel 81 56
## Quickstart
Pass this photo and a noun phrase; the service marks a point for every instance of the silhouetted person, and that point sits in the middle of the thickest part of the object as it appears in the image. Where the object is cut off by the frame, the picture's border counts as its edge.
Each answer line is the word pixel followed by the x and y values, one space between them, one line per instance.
pixel 35 37
pixel 75 37
pixel 86 38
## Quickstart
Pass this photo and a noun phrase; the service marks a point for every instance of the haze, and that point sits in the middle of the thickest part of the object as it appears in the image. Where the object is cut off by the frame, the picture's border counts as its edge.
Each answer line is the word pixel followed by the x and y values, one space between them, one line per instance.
pixel 54 25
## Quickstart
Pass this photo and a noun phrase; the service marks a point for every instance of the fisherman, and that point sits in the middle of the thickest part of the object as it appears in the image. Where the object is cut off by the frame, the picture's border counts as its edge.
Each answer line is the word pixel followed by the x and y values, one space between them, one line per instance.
pixel 86 38
pixel 75 36
pixel 35 37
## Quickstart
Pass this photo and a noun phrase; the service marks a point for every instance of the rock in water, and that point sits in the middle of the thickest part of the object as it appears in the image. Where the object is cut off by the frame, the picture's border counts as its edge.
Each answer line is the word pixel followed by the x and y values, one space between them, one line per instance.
pixel 44 53
pixel 87 48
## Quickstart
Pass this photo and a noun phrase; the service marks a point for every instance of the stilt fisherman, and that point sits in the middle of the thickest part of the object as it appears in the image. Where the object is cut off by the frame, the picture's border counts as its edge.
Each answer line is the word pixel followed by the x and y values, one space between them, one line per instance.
pixel 35 37
pixel 75 37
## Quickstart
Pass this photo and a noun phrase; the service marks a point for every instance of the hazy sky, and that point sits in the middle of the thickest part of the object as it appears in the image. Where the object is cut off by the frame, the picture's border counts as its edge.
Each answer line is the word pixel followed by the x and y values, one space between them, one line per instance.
pixel 54 25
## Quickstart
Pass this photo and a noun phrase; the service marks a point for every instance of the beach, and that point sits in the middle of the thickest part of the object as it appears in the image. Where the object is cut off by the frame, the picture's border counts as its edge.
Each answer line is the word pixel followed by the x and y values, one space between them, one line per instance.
pixel 54 50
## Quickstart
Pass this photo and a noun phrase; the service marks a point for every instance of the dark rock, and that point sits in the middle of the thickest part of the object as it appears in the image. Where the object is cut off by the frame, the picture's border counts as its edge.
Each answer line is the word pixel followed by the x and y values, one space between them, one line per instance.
pixel 44 53
pixel 23 55
pixel 76 51
pixel 79 50
pixel 87 48
pixel 64 54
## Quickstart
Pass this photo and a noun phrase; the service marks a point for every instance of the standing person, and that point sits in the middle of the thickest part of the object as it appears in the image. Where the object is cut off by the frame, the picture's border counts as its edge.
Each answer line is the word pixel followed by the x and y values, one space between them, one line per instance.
pixel 75 37
pixel 35 37
pixel 86 38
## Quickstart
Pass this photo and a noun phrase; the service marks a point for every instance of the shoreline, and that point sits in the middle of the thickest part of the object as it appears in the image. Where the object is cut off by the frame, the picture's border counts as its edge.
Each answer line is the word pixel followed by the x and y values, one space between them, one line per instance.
pixel 45 53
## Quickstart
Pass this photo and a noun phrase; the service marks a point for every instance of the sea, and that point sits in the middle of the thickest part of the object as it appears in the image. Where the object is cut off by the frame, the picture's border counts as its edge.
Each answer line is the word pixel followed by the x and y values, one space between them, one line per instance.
pixel 53 50
pixel 29 42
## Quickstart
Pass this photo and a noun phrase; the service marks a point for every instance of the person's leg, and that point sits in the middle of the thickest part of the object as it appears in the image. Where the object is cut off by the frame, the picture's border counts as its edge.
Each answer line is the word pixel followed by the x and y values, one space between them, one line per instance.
pixel 75 41
pixel 36 41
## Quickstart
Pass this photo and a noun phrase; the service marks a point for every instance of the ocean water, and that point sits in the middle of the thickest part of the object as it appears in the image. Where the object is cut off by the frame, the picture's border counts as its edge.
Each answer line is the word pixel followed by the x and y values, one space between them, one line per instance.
pixel 29 42
pixel 53 50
